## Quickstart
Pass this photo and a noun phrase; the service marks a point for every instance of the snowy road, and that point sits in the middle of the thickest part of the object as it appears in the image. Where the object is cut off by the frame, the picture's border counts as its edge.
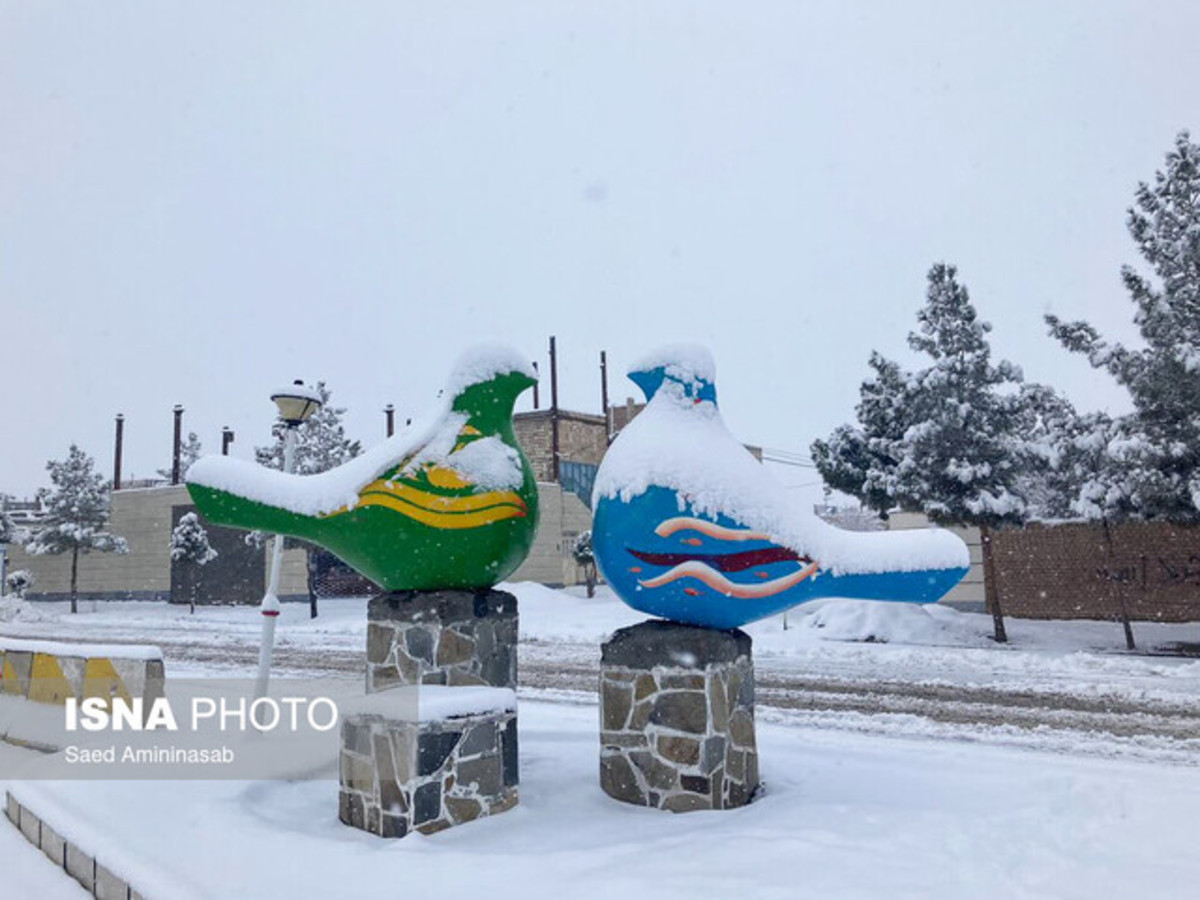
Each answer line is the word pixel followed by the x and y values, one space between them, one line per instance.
pixel 1107 724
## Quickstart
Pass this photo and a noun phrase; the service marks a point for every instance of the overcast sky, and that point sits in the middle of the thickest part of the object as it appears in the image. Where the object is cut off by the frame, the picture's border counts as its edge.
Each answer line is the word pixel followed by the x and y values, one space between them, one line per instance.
pixel 202 201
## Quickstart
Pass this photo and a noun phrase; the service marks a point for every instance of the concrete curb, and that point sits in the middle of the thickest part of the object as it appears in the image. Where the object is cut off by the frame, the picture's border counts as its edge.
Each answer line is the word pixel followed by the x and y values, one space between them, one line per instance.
pixel 48 672
pixel 98 880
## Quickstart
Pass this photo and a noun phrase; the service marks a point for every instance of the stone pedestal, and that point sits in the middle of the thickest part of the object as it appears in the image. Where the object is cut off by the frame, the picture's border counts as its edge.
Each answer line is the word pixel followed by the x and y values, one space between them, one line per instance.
pixel 677 717
pixel 442 637
pixel 403 771
pixel 401 776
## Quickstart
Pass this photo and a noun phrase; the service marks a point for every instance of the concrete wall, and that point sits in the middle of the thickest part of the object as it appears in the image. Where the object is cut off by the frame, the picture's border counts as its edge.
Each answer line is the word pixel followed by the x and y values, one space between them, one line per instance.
pixel 563 516
pixel 969 593
pixel 143 516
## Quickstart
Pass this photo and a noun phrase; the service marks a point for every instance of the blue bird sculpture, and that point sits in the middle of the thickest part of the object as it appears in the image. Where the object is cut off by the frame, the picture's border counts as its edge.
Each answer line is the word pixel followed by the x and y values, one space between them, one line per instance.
pixel 689 526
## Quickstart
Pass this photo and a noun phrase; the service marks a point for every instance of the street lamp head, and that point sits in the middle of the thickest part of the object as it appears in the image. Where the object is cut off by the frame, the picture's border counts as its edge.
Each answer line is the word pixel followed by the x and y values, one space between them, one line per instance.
pixel 296 402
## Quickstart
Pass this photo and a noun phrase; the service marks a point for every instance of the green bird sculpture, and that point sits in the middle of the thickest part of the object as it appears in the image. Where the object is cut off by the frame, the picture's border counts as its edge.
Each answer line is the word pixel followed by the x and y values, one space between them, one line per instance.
pixel 452 503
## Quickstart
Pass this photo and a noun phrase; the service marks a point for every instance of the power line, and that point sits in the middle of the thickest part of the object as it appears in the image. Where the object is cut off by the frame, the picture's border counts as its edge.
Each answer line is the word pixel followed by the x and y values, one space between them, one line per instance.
pixel 787 458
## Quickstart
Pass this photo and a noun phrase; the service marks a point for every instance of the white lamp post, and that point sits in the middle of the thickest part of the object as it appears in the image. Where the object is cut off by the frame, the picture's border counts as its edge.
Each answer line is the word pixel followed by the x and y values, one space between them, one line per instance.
pixel 296 403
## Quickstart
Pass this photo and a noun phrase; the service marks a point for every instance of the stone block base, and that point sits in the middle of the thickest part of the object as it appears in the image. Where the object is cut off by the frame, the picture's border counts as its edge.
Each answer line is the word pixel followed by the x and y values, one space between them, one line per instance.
pixel 677 717
pixel 401 776
pixel 442 637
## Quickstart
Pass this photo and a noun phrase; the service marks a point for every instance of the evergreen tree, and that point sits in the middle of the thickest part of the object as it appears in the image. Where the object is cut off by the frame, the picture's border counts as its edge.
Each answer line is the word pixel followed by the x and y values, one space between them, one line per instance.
pixel 321 445
pixel 189 545
pixel 946 440
pixel 189 452
pixel 862 460
pixel 960 459
pixel 943 440
pixel 1150 464
pixel 76 514
pixel 19 583
pixel 585 556
pixel 1061 454
pixel 852 518
pixel 9 534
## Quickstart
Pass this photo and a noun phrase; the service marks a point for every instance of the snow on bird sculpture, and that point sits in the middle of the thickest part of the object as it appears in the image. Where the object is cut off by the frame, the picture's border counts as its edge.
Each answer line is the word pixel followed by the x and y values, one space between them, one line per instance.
pixel 450 503
pixel 689 526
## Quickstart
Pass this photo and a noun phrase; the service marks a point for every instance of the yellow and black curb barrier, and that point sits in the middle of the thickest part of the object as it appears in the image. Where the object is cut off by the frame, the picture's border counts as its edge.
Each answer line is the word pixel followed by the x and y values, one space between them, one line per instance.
pixel 50 672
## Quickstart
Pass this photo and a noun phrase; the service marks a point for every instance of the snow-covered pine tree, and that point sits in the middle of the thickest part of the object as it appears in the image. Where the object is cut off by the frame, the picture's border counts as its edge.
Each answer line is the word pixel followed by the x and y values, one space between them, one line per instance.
pixel 76 514
pixel 321 445
pixel 945 440
pixel 189 452
pixel 189 546
pixel 585 556
pixel 19 582
pixel 9 533
pixel 853 518
pixel 960 459
pixel 1061 452
pixel 861 460
pixel 1151 460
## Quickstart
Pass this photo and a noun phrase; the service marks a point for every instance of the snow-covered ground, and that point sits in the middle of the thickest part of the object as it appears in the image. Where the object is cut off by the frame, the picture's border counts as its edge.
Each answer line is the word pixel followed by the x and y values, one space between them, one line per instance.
pixel 929 762
pixel 844 816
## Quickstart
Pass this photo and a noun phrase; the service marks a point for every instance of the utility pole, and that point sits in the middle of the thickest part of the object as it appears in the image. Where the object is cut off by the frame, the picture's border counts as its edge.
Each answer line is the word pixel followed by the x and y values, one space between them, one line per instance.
pixel 604 398
pixel 117 448
pixel 553 410
pixel 175 456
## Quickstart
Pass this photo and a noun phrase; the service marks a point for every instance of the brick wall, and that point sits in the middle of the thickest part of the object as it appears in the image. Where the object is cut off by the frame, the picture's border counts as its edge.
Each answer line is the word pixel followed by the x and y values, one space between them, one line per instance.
pixel 1077 571
pixel 533 434
pixel 581 438
pixel 624 414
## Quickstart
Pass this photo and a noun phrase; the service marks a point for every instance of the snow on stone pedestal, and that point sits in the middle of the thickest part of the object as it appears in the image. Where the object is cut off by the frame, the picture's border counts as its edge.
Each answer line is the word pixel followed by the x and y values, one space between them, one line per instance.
pixel 677 717
pixel 434 743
